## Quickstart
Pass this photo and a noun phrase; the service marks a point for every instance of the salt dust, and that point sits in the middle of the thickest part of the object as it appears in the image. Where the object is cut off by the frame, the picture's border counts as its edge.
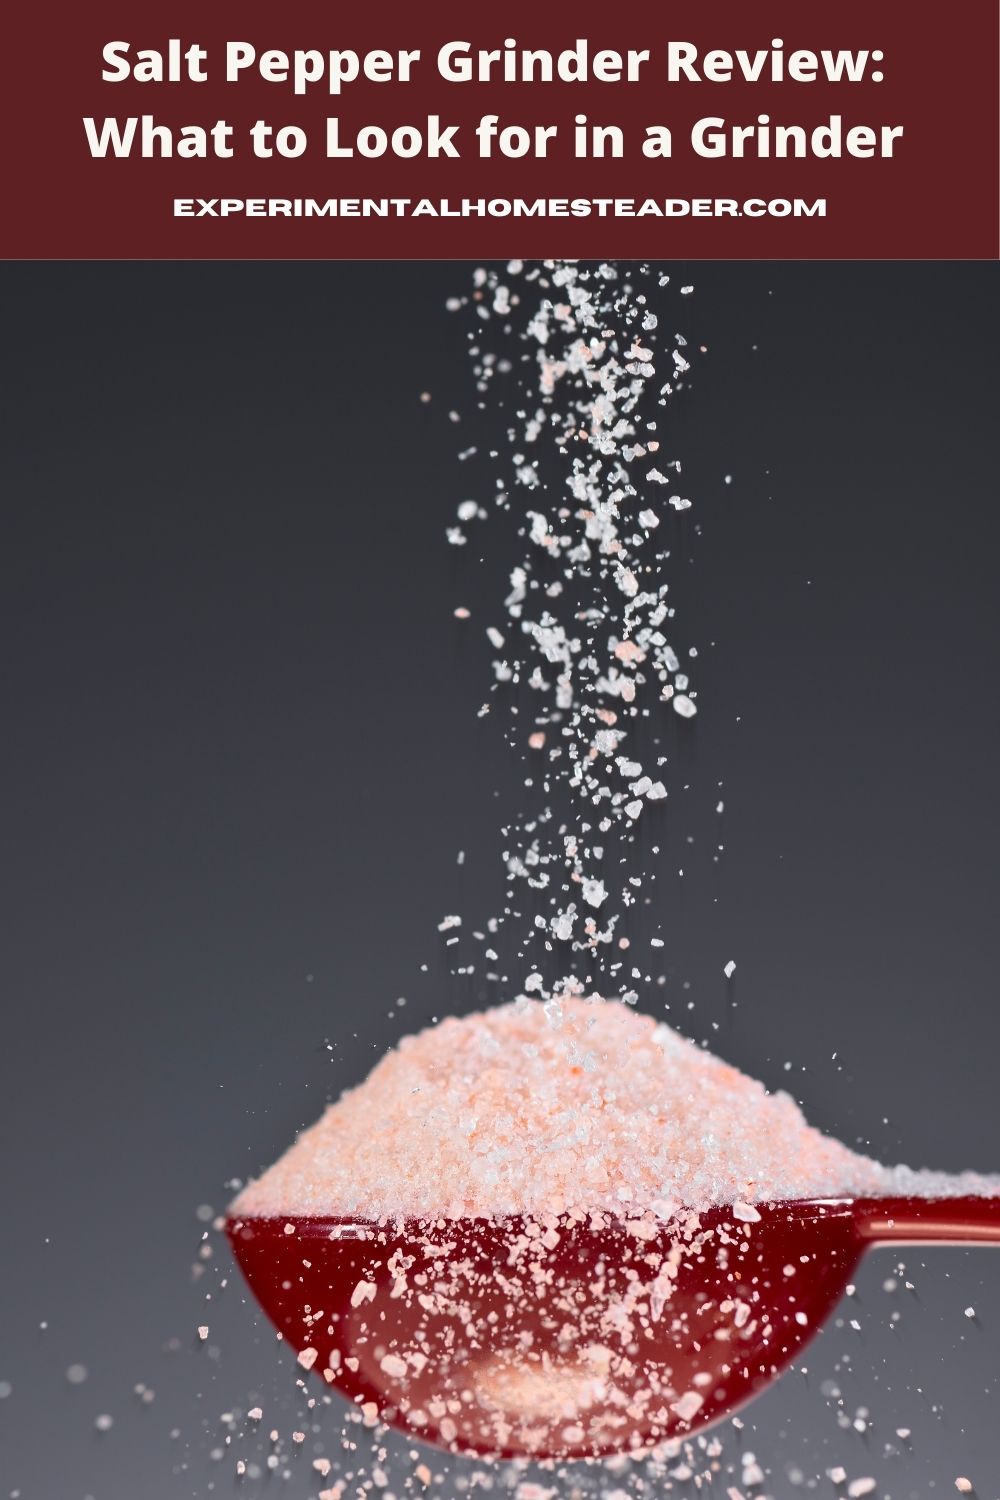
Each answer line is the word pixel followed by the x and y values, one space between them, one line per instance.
pixel 541 1107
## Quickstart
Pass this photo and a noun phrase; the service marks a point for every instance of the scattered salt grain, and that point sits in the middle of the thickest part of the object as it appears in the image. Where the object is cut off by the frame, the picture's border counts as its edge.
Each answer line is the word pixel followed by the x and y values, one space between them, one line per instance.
pixel 729 969
pixel 689 1405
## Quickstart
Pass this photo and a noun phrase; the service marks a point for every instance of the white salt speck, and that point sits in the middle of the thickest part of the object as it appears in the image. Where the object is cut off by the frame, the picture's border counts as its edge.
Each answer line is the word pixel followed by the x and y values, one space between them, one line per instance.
pixel 859 1487
pixel 688 1406
pixel 684 706
pixel 104 1422
pixel 255 1413
pixel 6 1389
pixel 393 1365
pixel 745 1212
pixel 495 638
pixel 76 1374
pixel 448 922
pixel 970 1312
pixel 307 1358
pixel 203 1332
pixel 363 1292
pixel 963 1485
pixel 730 969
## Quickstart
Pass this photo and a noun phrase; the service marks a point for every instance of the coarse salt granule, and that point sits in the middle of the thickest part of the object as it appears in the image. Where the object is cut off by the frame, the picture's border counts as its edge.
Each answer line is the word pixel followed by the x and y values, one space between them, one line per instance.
pixel 532 1108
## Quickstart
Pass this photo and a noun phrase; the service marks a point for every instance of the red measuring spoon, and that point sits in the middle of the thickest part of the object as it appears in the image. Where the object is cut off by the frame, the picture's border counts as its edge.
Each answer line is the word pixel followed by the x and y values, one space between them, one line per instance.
pixel 549 1339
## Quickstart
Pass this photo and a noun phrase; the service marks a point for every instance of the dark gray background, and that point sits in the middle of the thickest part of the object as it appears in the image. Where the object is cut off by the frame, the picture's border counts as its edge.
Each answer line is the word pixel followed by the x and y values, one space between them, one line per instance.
pixel 240 753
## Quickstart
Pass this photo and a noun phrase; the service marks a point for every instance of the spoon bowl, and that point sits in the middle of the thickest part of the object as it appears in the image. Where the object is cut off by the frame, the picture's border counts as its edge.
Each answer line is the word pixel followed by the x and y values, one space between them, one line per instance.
pixel 571 1337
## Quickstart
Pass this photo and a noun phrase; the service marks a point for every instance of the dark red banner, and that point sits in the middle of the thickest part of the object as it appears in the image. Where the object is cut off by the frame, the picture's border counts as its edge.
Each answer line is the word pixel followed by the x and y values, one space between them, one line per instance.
pixel 776 130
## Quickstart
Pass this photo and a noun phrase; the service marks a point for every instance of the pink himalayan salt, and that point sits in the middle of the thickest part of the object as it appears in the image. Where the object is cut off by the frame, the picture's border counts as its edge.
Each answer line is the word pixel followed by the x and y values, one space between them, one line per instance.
pixel 532 1109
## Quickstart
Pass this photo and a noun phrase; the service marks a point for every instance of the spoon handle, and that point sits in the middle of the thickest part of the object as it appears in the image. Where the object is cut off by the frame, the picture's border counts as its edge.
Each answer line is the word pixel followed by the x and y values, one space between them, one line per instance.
pixel 928 1221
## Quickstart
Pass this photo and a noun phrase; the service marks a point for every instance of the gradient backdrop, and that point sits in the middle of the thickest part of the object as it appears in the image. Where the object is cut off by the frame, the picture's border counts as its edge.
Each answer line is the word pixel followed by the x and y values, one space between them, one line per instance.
pixel 240 753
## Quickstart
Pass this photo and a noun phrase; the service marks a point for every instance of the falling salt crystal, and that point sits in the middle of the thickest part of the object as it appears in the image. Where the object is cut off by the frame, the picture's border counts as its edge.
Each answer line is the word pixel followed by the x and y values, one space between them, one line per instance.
pixel 684 706
pixel 104 1422
pixel 448 922
pixel 495 638
pixel 307 1358
pixel 729 969
pixel 903 1433
pixel 859 1487
pixel 203 1332
pixel 964 1486
pixel 468 510
pixel 537 740
pixel 688 1406
pixel 363 1292
pixel 255 1413
pixel 837 1475
pixel 593 892
pixel 648 519
pixel 76 1374
pixel 970 1312
pixel 393 1365
pixel 745 1212
pixel 461 613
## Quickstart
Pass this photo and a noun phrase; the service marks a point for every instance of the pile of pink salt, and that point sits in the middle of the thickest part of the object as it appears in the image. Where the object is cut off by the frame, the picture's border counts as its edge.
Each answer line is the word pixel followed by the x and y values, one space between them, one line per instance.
pixel 538 1109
